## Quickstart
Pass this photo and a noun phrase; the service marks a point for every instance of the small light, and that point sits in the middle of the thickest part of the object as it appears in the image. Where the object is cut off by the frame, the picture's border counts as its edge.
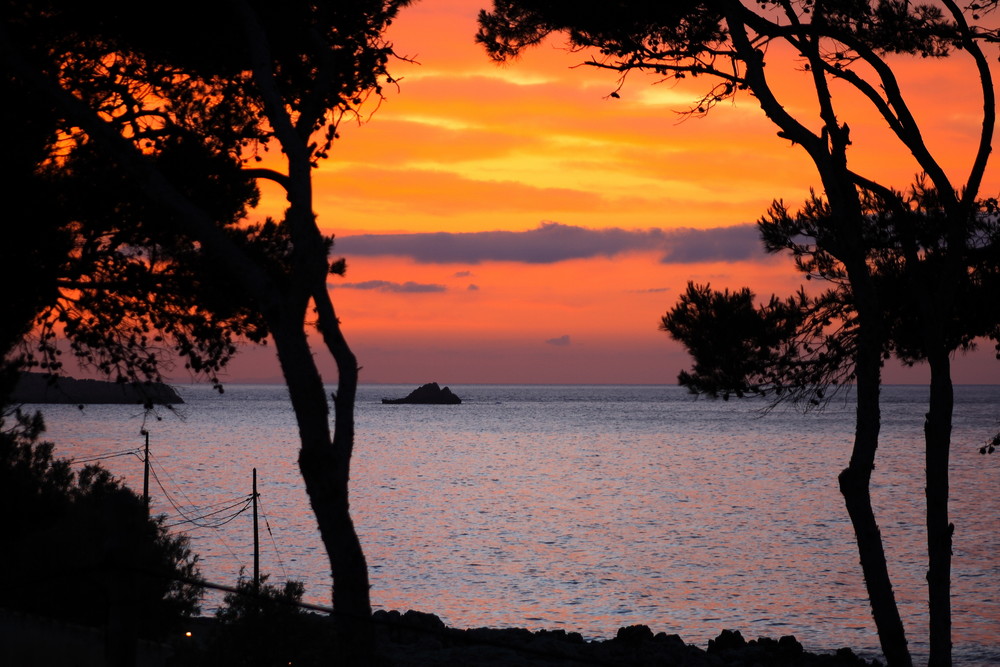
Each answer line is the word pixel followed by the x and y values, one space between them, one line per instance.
pixel 187 634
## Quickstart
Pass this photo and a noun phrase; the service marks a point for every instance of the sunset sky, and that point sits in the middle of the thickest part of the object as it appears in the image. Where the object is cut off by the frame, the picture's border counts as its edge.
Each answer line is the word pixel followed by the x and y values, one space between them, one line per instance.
pixel 516 224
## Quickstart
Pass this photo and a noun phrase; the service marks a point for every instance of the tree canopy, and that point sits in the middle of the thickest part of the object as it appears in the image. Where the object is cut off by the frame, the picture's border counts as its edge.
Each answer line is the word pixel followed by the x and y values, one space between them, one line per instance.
pixel 124 278
pixel 725 44
pixel 800 348
pixel 96 261
pixel 182 113
pixel 870 242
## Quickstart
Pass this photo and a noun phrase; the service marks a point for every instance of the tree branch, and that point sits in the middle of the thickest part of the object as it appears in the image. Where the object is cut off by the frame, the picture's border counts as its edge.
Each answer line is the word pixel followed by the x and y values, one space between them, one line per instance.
pixel 268 174
pixel 753 60
pixel 198 223
pixel 975 180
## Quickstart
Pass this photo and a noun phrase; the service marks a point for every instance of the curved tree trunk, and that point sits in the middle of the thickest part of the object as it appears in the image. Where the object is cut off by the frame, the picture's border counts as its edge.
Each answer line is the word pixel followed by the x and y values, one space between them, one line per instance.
pixel 855 483
pixel 937 437
pixel 325 466
pixel 353 591
pixel 830 161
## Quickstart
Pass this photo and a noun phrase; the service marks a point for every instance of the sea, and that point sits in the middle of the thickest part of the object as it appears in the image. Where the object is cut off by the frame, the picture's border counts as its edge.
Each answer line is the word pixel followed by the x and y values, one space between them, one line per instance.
pixel 583 508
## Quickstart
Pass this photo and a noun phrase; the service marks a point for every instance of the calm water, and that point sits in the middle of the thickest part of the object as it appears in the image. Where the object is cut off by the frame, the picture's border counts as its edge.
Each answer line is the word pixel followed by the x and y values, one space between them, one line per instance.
pixel 585 508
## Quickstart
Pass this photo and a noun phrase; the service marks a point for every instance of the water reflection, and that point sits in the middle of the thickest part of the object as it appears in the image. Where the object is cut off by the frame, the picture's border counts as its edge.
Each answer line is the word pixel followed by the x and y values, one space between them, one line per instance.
pixel 590 508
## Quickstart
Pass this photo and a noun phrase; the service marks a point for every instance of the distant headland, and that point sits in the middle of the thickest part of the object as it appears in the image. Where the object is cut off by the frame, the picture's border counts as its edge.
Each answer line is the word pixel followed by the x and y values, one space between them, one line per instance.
pixel 42 388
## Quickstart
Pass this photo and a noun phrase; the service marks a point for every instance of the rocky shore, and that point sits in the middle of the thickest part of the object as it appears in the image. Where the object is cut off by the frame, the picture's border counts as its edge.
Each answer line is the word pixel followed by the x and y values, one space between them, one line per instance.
pixel 419 639
pixel 411 639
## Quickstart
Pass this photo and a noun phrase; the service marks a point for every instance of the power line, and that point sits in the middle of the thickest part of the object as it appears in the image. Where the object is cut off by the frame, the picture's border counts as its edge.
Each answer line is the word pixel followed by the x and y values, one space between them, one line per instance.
pixel 109 455
pixel 245 502
pixel 195 519
pixel 225 502
pixel 277 553
pixel 180 490
pixel 218 533
pixel 166 494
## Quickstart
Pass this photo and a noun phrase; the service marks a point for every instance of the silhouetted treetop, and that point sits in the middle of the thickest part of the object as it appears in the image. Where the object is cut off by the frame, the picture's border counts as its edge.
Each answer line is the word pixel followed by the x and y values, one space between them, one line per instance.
pixel 124 277
pixel 910 249
pixel 793 349
pixel 322 57
pixel 617 28
pixel 692 38
pixel 798 348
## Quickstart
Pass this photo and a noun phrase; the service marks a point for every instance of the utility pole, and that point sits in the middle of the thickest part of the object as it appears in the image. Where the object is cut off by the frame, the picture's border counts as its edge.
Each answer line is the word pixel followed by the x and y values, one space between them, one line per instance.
pixel 256 537
pixel 145 472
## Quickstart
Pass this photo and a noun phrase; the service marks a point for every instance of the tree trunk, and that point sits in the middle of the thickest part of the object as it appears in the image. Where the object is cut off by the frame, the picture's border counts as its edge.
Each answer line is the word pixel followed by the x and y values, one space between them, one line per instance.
pixel 937 436
pixel 325 467
pixel 830 161
pixel 355 589
pixel 855 486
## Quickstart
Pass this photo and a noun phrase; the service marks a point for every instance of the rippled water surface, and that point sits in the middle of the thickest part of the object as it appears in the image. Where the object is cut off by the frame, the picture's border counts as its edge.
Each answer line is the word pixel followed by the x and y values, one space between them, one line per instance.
pixel 585 507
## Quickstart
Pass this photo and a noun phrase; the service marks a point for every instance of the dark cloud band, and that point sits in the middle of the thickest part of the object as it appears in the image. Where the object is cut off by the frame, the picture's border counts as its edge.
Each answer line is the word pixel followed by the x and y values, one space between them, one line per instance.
pixel 409 287
pixel 554 242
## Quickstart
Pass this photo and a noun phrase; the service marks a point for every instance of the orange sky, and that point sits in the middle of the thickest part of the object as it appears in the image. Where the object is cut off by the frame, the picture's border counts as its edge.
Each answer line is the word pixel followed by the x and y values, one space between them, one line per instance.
pixel 467 146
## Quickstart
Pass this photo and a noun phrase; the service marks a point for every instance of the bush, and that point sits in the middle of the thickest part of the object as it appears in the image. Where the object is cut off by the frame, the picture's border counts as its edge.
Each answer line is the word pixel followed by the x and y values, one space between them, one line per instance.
pixel 261 625
pixel 81 547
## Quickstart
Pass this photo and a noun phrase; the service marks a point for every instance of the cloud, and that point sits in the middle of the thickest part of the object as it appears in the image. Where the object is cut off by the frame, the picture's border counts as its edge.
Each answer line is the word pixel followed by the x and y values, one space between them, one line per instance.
pixel 561 341
pixel 553 242
pixel 473 287
pixel 726 244
pixel 463 274
pixel 409 287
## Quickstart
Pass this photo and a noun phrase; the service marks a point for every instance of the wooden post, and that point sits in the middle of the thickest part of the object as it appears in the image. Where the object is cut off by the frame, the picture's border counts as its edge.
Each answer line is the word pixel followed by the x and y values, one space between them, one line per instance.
pixel 256 536
pixel 145 472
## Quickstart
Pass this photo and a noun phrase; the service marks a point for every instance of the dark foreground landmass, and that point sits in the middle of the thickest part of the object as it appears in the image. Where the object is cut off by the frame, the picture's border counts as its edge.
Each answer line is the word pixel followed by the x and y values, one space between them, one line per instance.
pixel 417 639
pixel 413 639
pixel 401 644
pixel 40 388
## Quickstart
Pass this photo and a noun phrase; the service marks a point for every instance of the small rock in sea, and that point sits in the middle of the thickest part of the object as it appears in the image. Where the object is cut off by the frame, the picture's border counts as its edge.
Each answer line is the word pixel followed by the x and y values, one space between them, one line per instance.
pixel 430 393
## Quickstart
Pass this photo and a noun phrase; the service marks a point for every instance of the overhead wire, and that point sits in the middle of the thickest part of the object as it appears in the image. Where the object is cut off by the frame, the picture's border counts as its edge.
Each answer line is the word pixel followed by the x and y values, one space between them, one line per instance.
pixel 192 516
pixel 218 533
pixel 267 524
pixel 166 494
pixel 107 455
pixel 195 521
pixel 173 481
pixel 201 513
pixel 190 504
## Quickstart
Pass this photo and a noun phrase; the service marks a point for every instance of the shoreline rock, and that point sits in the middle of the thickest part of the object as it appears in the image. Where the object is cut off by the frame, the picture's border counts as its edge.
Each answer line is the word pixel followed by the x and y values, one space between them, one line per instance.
pixel 420 639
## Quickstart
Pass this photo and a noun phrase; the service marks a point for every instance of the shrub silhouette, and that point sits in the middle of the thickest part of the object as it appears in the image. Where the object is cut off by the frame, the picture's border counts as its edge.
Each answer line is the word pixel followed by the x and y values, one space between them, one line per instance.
pixel 261 624
pixel 80 546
